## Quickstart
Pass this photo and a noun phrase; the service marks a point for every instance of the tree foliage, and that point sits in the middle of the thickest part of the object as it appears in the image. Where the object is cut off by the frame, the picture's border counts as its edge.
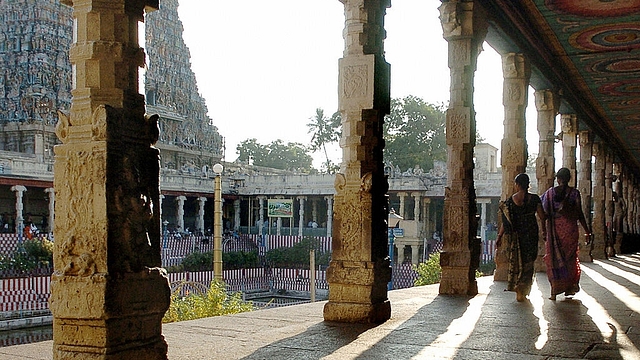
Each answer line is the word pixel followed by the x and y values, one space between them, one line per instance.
pixel 429 272
pixel 415 133
pixel 297 256
pixel 277 155
pixel 325 131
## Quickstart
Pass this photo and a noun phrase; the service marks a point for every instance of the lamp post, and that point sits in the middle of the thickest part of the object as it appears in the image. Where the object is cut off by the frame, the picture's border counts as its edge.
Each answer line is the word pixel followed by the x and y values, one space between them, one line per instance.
pixel 217 223
pixel 392 222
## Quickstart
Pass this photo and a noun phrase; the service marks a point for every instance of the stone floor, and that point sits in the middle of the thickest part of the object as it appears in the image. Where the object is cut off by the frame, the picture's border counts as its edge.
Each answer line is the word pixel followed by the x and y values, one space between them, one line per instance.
pixel 601 322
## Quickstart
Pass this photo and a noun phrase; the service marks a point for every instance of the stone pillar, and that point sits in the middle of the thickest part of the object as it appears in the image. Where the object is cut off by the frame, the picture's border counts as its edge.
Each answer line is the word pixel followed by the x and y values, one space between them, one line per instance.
pixel 427 223
pixel 329 200
pixel 464 27
pixel 180 215
pixel 483 218
pixel 359 270
pixel 585 188
pixel 314 210
pixel 19 190
pixel 400 252
pixel 569 126
pixel 160 201
pixel 52 204
pixel 236 214
pixel 416 205
pixel 547 104
pixel 301 223
pixel 200 223
pixel 401 197
pixel 516 71
pixel 608 193
pixel 108 292
pixel 261 215
pixel 415 254
pixel 626 195
pixel 598 222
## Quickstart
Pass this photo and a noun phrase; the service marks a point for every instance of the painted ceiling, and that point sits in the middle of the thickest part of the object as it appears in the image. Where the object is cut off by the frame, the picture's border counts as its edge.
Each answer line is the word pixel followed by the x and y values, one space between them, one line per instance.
pixel 587 49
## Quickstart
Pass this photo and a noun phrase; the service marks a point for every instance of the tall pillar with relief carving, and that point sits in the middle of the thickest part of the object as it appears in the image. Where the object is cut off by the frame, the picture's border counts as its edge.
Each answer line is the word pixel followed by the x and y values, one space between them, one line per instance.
pixel 359 270
pixel 200 225
pixel 516 71
pixel 584 186
pixel 108 291
pixel 464 27
pixel 569 126
pixel 19 190
pixel 547 104
pixel 598 222
pixel 608 194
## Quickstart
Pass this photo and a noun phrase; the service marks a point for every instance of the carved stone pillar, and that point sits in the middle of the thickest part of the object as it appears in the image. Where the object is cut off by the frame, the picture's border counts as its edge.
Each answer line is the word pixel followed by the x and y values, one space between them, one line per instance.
pixel 569 125
pixel 236 214
pixel 314 210
pixel 547 104
pixel 426 222
pixel 301 223
pixel 608 193
pixel 415 254
pixel 359 269
pixel 401 210
pixel 261 216
pixel 626 195
pixel 160 201
pixel 416 205
pixel 108 292
pixel 483 218
pixel 52 204
pixel 598 222
pixel 516 71
pixel 400 252
pixel 180 213
pixel 616 220
pixel 200 224
pixel 19 190
pixel 464 27
pixel 585 187
pixel 329 200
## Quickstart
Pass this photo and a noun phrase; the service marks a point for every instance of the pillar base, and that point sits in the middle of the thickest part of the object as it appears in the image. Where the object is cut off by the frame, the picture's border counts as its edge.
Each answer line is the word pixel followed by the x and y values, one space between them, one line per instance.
pixel 104 317
pixel 357 313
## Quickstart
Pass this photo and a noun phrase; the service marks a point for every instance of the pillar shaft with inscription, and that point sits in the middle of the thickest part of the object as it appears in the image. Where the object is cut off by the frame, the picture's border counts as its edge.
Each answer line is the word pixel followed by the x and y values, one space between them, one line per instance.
pixel 569 125
pixel 516 71
pixel 547 104
pixel 108 293
pixel 359 269
pixel 598 222
pixel 464 27
pixel 584 186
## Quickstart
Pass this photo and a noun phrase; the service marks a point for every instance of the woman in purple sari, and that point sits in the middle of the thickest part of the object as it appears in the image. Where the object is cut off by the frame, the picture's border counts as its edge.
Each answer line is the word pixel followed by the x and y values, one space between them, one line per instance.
pixel 563 207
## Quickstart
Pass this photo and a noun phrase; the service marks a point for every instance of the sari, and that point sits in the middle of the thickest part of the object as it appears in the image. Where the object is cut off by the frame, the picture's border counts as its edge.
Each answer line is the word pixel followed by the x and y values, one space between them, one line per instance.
pixel 561 247
pixel 521 241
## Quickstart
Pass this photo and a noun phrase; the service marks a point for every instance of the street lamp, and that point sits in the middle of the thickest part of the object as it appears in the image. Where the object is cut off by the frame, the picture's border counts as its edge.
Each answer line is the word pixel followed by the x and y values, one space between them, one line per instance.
pixel 392 222
pixel 217 223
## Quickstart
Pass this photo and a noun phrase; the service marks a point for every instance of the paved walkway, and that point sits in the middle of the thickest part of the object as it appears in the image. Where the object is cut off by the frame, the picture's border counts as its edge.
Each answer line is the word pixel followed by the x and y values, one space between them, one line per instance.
pixel 601 322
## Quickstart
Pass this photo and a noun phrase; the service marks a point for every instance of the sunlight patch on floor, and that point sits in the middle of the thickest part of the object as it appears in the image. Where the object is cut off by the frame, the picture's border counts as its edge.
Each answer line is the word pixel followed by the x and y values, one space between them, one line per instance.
pixel 611 330
pixel 537 301
pixel 458 331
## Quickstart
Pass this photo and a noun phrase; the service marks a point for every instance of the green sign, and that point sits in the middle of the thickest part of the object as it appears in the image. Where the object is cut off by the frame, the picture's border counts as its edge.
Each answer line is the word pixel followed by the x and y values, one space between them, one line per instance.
pixel 280 208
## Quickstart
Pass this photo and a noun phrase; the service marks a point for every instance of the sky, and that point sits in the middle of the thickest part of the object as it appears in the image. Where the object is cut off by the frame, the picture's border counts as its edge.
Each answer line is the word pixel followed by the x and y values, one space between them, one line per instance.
pixel 264 67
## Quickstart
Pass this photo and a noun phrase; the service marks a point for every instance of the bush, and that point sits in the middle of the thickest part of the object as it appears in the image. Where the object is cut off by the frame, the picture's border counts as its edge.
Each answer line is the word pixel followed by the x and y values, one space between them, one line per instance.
pixel 486 269
pixel 240 260
pixel 35 253
pixel 297 256
pixel 215 302
pixel 198 261
pixel 429 272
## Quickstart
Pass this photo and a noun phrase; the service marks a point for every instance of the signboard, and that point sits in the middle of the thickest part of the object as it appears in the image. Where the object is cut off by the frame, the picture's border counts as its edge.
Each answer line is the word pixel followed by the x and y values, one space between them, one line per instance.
pixel 280 208
pixel 397 232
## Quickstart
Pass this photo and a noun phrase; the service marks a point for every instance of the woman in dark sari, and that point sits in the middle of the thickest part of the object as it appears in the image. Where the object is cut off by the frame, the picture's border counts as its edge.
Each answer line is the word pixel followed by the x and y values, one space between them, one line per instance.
pixel 563 207
pixel 519 229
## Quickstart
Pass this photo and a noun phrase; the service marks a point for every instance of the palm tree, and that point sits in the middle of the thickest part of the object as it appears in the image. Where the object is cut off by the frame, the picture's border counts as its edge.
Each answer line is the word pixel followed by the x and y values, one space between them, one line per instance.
pixel 325 131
